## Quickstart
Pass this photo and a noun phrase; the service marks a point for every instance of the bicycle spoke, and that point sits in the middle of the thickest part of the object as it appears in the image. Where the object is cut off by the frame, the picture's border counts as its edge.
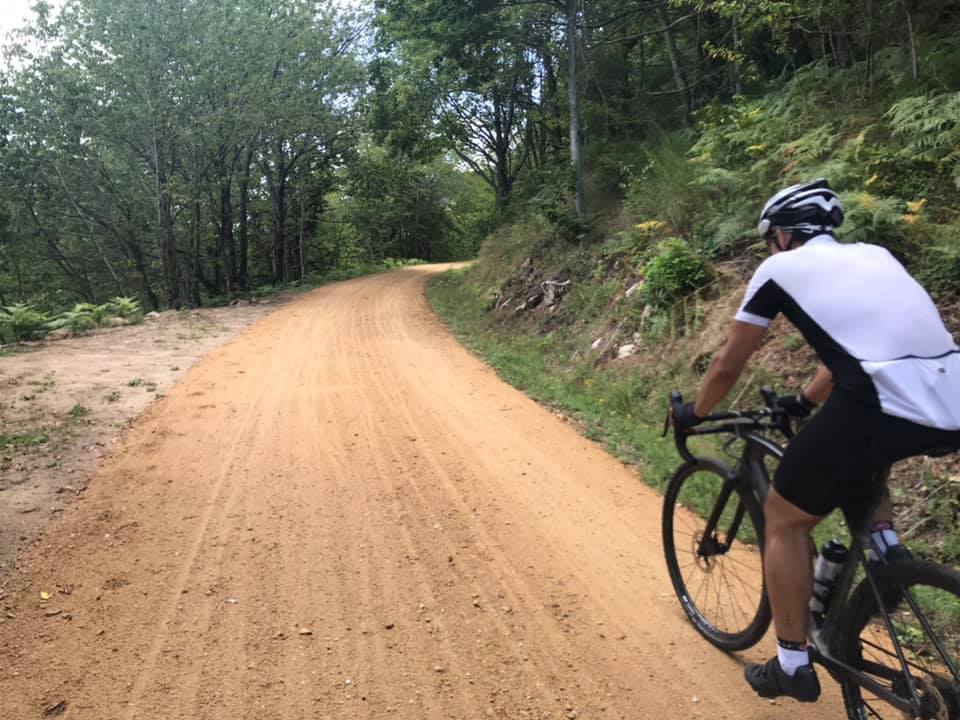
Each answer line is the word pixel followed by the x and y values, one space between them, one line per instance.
pixel 715 565
pixel 736 602
pixel 750 588
pixel 747 588
pixel 722 588
pixel 920 613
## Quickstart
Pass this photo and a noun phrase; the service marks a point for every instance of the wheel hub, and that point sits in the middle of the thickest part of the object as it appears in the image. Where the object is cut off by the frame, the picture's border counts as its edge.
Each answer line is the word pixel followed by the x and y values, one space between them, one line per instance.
pixel 706 550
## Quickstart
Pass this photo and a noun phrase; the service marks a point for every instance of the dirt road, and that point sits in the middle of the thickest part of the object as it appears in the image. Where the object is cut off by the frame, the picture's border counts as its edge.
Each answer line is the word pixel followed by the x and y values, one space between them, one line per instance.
pixel 342 514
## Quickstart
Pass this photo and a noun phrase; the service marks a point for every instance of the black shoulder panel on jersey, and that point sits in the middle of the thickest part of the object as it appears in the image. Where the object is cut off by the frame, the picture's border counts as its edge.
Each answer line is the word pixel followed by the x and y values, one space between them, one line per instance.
pixel 767 301
pixel 847 372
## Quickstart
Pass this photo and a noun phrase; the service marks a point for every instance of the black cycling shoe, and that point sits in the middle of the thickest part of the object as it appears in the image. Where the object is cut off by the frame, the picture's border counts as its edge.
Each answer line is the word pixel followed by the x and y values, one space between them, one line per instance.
pixel 770 681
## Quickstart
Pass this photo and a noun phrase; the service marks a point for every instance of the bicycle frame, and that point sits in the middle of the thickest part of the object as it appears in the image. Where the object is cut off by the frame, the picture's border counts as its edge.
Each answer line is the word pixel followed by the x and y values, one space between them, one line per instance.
pixel 750 474
pixel 825 641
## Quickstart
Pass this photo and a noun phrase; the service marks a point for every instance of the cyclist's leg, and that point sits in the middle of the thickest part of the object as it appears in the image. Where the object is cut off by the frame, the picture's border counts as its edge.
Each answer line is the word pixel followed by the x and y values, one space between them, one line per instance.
pixel 895 439
pixel 787 566
pixel 811 480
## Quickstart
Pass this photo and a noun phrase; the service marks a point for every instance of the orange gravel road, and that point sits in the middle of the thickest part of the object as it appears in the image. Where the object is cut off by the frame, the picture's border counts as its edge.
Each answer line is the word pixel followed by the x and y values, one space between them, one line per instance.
pixel 343 514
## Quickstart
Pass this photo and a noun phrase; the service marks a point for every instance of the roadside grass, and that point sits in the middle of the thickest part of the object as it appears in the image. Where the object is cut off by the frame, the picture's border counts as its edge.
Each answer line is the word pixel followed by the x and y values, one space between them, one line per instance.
pixel 25 439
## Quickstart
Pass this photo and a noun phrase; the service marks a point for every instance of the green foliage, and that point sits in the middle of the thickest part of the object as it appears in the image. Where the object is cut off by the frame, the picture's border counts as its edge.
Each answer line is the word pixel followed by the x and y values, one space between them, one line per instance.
pixel 874 219
pixel 930 128
pixel 939 269
pixel 676 270
pixel 548 194
pixel 27 439
pixel 22 322
pixel 78 411
pixel 128 308
pixel 393 208
pixel 587 300
pixel 82 318
pixel 793 342
pixel 663 189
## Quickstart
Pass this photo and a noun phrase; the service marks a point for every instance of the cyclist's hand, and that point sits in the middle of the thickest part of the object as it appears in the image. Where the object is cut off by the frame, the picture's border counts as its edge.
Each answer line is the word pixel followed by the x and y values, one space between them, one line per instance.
pixel 796 405
pixel 685 418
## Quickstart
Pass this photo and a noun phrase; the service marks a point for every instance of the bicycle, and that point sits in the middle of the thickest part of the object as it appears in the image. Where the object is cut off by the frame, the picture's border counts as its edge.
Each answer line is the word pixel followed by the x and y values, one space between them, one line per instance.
pixel 892 642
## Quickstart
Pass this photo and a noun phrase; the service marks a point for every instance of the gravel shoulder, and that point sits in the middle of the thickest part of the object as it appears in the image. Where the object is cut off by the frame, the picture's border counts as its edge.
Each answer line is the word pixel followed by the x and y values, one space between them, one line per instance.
pixel 65 404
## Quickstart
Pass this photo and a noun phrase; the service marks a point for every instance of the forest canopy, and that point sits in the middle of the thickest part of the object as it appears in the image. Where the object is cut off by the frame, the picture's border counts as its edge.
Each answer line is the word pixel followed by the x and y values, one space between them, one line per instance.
pixel 191 151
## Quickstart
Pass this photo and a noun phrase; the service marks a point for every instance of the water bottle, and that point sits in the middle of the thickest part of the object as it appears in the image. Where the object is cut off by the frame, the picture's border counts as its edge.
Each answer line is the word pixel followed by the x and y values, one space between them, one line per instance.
pixel 825 573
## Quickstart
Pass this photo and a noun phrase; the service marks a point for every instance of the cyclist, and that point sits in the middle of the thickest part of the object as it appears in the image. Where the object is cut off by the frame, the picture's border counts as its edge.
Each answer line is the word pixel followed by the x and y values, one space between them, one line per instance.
pixel 889 386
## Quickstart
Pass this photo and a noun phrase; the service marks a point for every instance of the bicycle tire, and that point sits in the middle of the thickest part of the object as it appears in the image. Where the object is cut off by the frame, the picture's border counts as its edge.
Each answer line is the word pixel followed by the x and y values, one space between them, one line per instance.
pixel 862 632
pixel 749 600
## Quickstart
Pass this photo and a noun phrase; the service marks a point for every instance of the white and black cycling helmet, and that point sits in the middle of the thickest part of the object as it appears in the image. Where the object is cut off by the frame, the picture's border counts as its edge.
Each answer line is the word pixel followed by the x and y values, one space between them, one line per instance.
pixel 805 209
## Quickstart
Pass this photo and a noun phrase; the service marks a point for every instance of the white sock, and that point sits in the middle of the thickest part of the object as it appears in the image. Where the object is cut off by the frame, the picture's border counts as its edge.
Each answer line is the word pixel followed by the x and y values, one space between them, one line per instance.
pixel 790 660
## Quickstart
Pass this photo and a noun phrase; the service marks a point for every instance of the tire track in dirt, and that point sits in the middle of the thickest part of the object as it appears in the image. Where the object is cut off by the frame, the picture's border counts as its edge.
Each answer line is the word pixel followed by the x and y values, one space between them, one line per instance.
pixel 345 467
pixel 388 383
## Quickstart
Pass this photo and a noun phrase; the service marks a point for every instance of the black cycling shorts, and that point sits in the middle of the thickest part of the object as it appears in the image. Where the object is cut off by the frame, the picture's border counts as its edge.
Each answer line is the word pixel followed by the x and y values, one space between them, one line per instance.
pixel 835 459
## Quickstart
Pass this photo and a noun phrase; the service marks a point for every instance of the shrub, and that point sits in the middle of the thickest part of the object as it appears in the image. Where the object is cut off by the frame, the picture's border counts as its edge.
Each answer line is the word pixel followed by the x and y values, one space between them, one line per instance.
pixel 877 220
pixel 939 269
pixel 677 269
pixel 81 318
pixel 663 188
pixel 128 308
pixel 929 126
pixel 22 322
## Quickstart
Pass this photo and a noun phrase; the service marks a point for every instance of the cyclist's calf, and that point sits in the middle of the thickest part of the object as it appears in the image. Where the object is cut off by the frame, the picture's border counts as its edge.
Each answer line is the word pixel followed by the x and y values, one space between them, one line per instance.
pixel 787 566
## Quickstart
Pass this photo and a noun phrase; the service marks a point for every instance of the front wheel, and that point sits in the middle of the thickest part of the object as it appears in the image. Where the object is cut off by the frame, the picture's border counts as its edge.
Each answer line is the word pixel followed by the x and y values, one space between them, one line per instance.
pixel 712 539
pixel 922 600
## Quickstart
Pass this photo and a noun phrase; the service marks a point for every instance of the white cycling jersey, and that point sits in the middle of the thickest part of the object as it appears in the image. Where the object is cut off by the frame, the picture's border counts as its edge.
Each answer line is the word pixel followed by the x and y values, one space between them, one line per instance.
pixel 874 327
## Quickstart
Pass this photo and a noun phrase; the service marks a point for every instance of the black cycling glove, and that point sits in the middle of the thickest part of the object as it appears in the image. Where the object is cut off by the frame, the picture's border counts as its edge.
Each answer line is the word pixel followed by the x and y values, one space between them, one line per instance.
pixel 685 417
pixel 796 405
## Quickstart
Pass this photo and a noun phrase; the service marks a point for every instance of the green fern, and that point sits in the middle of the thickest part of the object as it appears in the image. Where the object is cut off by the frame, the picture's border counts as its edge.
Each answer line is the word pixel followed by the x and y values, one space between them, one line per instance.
pixel 79 319
pixel 930 127
pixel 127 308
pixel 22 322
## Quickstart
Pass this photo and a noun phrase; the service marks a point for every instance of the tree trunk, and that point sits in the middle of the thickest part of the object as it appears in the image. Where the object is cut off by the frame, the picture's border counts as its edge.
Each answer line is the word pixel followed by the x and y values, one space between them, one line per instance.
pixel 227 251
pixel 244 220
pixel 303 249
pixel 166 240
pixel 136 254
pixel 576 154
pixel 737 70
pixel 168 245
pixel 912 44
pixel 277 180
pixel 554 120
pixel 678 74
pixel 194 268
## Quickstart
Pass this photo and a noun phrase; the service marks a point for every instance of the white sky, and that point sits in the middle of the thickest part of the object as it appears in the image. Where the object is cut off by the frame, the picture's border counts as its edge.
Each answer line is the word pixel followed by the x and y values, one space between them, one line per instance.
pixel 13 13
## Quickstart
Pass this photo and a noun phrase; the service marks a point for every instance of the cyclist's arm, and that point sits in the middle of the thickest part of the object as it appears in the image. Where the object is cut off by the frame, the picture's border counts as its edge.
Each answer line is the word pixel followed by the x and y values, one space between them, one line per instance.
pixel 820 387
pixel 726 367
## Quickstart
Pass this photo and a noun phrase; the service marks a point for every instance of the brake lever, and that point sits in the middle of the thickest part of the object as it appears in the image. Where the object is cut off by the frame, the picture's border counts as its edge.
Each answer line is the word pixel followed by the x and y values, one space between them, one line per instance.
pixel 676 399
